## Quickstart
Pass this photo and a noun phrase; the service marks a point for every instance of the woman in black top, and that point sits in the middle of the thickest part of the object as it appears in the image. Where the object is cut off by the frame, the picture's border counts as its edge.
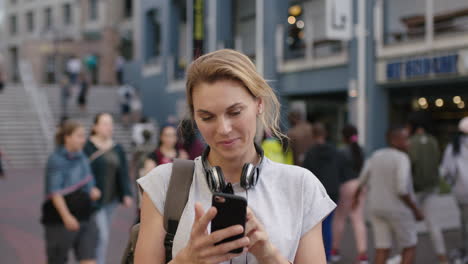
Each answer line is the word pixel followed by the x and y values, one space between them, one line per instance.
pixel 355 158
pixel 110 169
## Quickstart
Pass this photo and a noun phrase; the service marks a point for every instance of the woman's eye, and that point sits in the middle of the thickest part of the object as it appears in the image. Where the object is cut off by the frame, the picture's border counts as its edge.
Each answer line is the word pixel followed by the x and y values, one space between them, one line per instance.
pixel 206 118
pixel 235 113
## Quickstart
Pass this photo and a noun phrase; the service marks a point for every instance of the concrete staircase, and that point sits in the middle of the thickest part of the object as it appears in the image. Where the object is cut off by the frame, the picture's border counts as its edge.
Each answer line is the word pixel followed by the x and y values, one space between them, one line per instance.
pixel 21 137
pixel 100 99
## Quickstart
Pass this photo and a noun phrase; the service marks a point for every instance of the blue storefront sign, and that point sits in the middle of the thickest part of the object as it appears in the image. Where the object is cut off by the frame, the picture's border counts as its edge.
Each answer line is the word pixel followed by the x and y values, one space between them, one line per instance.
pixel 422 67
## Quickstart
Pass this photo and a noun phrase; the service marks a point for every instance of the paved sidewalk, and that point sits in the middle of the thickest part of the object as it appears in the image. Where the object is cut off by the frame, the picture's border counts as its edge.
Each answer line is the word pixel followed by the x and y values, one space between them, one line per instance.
pixel 21 234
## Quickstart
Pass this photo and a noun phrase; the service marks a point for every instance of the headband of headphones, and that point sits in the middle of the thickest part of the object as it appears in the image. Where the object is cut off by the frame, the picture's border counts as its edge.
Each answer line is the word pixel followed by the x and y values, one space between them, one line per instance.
pixel 215 177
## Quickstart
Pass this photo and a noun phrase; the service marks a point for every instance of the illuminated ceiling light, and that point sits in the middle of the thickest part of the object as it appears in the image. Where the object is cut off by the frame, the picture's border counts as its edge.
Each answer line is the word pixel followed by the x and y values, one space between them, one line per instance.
pixel 291 20
pixel 461 105
pixel 439 102
pixel 295 10
pixel 422 101
pixel 300 24
pixel 456 99
pixel 414 104
pixel 424 106
pixel 353 93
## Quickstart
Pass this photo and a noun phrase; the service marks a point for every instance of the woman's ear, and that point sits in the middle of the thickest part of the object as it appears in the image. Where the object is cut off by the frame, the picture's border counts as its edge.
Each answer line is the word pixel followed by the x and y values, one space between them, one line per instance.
pixel 259 106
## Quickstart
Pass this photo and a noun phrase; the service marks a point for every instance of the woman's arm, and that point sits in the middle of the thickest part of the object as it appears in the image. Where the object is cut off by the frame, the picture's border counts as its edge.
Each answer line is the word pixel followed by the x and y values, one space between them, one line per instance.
pixel 311 248
pixel 68 219
pixel 199 249
pixel 150 245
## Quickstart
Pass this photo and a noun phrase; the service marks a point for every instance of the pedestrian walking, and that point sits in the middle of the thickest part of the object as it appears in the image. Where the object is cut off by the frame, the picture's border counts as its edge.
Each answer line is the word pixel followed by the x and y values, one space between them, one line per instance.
pixel 354 157
pixel 65 93
pixel 126 93
pixel 2 80
pixel 392 206
pixel 109 165
pixel 83 92
pixel 424 155
pixel 2 172
pixel 73 69
pixel 70 190
pixel 300 135
pixel 188 139
pixel 330 167
pixel 454 168
pixel 167 149
pixel 227 98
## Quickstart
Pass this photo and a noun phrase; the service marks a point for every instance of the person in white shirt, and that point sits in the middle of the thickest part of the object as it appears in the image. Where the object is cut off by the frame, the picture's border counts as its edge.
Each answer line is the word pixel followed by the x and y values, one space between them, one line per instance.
pixel 227 98
pixel 391 199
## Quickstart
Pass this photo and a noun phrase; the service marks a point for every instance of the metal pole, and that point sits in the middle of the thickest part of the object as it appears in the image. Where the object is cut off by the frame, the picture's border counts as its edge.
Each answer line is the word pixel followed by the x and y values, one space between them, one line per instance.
pixel 361 34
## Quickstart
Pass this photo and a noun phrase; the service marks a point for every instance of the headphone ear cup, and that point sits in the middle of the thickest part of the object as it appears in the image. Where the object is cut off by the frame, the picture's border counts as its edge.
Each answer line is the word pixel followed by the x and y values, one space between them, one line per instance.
pixel 216 179
pixel 248 176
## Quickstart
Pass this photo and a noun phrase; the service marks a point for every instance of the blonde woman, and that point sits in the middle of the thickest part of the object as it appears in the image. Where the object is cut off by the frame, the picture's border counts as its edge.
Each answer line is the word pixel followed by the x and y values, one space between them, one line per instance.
pixel 286 205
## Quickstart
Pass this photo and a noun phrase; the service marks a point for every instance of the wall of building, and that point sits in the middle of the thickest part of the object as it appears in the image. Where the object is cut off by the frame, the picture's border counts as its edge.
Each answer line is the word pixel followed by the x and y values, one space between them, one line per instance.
pixel 308 78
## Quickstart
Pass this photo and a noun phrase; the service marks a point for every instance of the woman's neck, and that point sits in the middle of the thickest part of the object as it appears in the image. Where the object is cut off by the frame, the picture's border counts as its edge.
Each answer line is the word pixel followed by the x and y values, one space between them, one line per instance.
pixel 232 168
pixel 101 141
pixel 70 149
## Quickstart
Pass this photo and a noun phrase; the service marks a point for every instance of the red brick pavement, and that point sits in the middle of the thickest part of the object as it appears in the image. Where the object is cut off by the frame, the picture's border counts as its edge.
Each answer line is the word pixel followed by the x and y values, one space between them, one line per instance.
pixel 21 234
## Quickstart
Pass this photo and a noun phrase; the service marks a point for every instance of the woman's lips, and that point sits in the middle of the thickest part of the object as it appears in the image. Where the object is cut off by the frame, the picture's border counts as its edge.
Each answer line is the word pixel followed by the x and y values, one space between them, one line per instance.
pixel 227 143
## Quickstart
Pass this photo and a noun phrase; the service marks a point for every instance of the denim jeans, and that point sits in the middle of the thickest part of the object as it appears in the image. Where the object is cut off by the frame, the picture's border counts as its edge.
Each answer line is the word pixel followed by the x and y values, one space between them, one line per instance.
pixel 327 234
pixel 103 220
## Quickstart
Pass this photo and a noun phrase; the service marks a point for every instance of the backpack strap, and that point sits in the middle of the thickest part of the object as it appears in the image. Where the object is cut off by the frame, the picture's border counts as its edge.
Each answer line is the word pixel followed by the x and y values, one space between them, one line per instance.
pixel 176 199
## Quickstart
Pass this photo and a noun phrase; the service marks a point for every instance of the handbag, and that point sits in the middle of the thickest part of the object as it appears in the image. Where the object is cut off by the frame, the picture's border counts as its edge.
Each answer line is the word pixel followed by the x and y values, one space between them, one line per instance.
pixel 78 202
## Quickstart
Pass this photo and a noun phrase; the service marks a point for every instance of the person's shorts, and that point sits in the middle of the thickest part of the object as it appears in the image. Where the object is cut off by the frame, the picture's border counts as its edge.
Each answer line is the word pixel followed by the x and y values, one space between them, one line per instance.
pixel 389 225
pixel 59 241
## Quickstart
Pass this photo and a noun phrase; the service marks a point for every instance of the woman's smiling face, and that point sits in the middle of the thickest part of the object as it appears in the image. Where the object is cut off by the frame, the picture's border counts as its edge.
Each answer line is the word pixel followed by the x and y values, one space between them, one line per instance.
pixel 226 114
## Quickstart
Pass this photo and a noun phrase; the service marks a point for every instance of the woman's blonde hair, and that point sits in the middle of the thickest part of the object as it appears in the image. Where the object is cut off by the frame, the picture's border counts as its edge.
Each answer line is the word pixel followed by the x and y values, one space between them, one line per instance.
pixel 229 64
pixel 66 129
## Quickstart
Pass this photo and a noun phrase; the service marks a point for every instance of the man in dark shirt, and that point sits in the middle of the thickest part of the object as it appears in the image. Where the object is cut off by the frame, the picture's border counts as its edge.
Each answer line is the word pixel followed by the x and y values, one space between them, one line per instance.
pixel 331 168
pixel 300 135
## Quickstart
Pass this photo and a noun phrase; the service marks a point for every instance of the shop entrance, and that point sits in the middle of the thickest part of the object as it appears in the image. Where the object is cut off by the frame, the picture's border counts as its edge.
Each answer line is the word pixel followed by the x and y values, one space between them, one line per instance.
pixel 444 104
pixel 330 109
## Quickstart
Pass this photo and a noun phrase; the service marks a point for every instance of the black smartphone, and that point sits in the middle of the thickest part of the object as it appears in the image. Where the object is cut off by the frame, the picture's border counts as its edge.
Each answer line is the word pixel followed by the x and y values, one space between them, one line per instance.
pixel 231 210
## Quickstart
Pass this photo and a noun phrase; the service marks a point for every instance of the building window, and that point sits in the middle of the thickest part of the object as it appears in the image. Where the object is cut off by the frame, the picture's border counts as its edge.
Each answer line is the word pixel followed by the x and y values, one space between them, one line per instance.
pixel 93 10
pixel 244 27
pixel 404 21
pixel 153 34
pixel 30 21
pixel 305 35
pixel 67 14
pixel 128 8
pixel 13 25
pixel 48 18
pixel 450 18
pixel 181 56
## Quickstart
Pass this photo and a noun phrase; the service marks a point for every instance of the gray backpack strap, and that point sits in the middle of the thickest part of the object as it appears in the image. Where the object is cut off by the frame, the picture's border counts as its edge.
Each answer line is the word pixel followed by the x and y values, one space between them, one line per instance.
pixel 176 199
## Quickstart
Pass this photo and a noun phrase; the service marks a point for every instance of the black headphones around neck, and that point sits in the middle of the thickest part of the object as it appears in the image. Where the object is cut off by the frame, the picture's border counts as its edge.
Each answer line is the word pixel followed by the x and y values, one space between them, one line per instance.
pixel 215 177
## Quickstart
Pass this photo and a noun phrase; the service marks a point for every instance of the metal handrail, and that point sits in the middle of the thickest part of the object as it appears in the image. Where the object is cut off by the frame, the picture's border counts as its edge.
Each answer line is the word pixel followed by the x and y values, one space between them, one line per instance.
pixel 39 102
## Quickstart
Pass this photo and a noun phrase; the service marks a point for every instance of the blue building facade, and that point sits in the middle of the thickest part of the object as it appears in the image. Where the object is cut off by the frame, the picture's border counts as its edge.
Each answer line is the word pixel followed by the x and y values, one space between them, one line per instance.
pixel 371 80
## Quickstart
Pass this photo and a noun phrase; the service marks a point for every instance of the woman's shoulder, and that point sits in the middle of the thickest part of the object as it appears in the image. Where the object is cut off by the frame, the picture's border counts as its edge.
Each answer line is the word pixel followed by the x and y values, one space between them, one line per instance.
pixel 159 173
pixel 291 173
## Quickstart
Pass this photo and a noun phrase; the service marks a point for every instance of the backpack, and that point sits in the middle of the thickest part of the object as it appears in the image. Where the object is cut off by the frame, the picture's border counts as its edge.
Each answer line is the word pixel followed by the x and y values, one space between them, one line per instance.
pixel 176 198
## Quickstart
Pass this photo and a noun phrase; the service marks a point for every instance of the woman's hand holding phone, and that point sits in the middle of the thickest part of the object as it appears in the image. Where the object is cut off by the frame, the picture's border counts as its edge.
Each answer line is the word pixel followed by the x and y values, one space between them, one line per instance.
pixel 201 246
pixel 260 245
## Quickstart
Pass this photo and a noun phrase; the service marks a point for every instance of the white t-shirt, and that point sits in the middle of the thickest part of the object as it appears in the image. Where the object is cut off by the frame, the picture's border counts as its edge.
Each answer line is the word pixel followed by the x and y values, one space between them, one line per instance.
pixel 388 175
pixel 288 201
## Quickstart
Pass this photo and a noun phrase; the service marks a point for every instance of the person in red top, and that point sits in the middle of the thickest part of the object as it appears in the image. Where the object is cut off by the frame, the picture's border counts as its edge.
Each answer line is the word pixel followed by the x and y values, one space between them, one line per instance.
pixel 167 150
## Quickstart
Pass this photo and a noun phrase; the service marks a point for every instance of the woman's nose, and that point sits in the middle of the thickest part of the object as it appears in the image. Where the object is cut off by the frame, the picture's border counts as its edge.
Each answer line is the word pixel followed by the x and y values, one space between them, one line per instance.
pixel 224 126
